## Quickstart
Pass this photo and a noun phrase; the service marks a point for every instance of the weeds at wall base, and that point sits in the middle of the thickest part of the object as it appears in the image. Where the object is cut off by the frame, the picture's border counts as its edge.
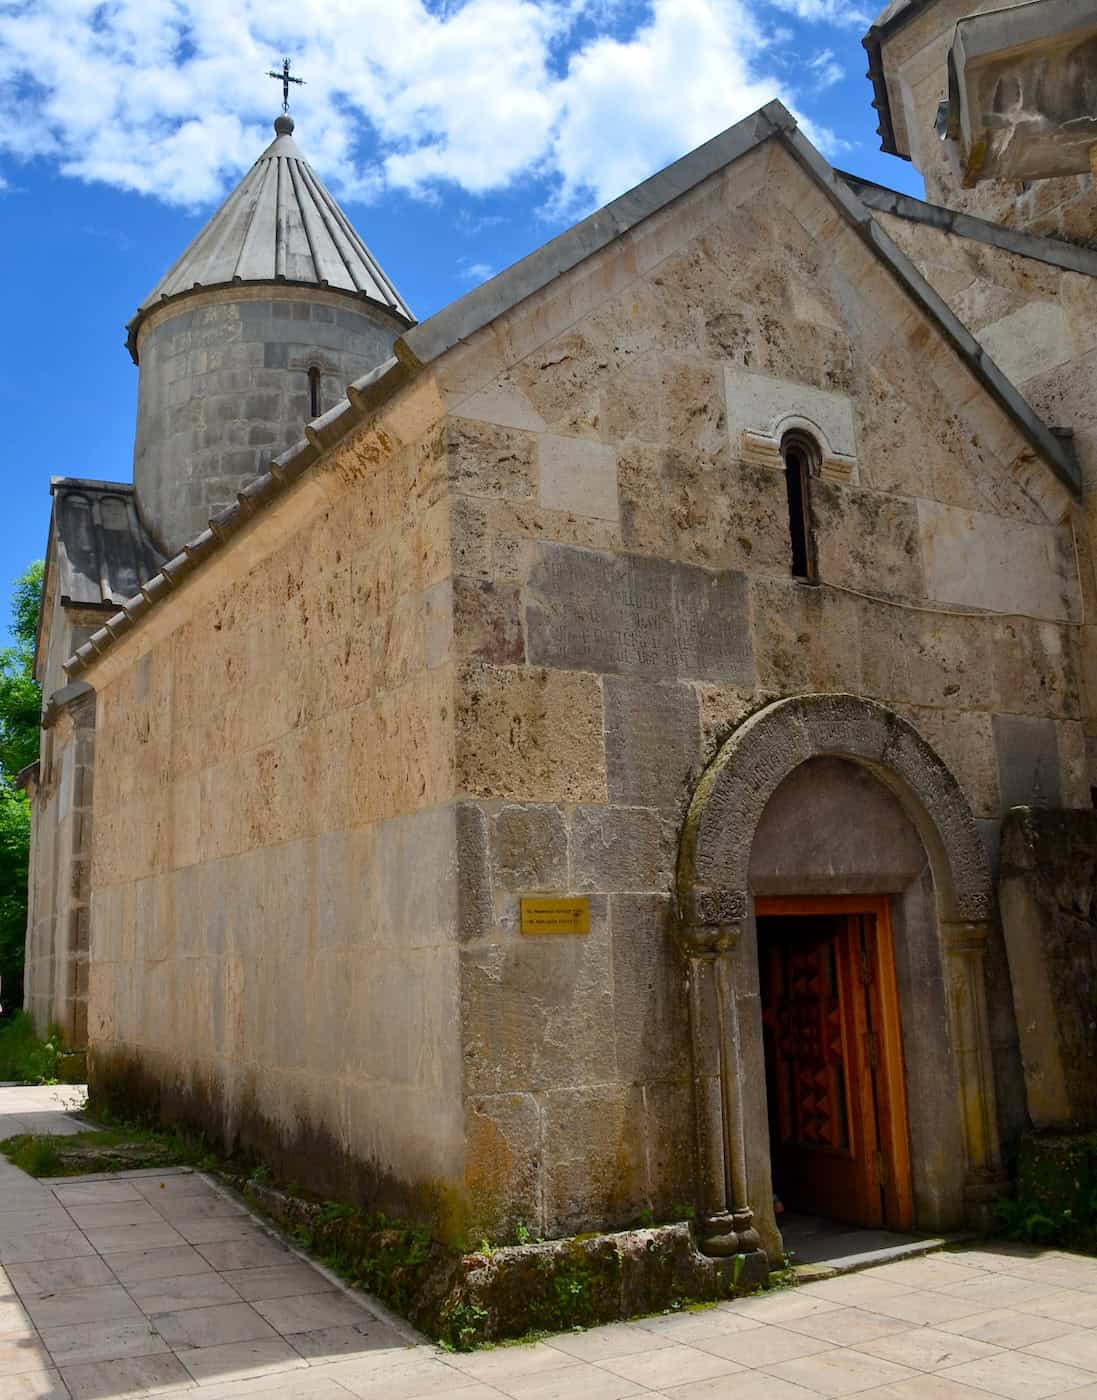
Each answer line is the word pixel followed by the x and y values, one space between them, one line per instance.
pixel 24 1058
pixel 507 1292
pixel 1055 1203
pixel 462 1300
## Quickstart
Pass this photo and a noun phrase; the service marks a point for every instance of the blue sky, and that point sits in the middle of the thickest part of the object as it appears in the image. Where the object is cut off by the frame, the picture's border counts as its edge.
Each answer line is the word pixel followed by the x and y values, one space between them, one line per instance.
pixel 457 136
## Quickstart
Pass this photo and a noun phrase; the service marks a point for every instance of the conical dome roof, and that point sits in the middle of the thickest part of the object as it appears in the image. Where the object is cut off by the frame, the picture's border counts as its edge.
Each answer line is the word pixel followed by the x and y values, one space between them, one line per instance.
pixel 278 225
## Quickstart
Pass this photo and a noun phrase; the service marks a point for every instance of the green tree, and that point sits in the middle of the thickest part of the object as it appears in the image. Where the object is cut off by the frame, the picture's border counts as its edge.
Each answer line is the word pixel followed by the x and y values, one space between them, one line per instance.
pixel 20 705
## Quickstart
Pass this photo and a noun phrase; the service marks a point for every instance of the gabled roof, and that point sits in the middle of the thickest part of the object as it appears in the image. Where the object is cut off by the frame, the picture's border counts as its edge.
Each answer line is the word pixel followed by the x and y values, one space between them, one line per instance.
pixel 102 553
pixel 279 224
pixel 1071 256
pixel 456 323
pixel 98 554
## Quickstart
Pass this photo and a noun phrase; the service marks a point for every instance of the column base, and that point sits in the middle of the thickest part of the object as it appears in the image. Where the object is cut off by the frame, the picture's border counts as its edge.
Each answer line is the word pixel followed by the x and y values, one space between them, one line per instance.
pixel 731 1233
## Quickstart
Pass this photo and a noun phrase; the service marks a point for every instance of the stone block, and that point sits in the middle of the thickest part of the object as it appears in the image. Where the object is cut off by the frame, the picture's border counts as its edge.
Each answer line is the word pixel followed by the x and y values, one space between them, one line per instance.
pixel 595 1162
pixel 530 847
pixel 579 476
pixel 1073 769
pixel 670 400
pixel 964 741
pixel 409 888
pixel 487 623
pixel 538 1012
pixel 1037 668
pixel 862 537
pixel 990 832
pixel 930 659
pixel 1030 341
pixel 506 406
pixel 805 637
pixel 731 515
pixel 621 848
pixel 530 734
pixel 489 461
pixel 563 379
pixel 503 1164
pixel 652 741
pixel 438 624
pixel 1028 761
pixel 984 561
pixel 631 615
pixel 763 404
pixel 475 903
pixel 651 1015
pixel 672 1149
pixel 723 709
pixel 1048 879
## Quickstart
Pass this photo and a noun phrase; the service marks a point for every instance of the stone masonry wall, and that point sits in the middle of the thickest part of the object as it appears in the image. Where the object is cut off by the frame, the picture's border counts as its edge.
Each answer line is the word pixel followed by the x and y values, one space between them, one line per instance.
pixel 916 62
pixel 1049 913
pixel 55 980
pixel 224 388
pixel 275 898
pixel 486 646
pixel 1039 324
pixel 623 599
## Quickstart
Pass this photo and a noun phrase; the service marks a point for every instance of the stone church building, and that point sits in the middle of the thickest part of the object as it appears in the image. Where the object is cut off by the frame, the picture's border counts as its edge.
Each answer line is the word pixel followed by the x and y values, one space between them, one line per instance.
pixel 550 763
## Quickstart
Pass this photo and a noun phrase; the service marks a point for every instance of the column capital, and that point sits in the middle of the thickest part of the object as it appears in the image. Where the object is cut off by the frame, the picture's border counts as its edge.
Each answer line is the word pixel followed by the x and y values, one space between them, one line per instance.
pixel 713 905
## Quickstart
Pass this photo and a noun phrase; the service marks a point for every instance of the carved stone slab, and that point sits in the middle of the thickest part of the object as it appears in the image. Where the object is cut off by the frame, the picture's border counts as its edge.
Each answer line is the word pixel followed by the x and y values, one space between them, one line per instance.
pixel 634 615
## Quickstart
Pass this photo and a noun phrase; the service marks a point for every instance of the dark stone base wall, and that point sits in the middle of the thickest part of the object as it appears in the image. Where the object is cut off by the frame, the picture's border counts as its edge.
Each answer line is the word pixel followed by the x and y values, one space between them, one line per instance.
pixel 1048 895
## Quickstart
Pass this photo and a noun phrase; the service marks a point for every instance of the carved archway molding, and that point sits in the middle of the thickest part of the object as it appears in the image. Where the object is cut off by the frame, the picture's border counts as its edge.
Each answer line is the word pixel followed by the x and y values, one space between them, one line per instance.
pixel 713 896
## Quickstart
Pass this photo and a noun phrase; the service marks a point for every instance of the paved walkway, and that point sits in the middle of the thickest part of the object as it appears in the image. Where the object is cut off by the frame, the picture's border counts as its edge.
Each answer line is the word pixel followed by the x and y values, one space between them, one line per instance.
pixel 159 1282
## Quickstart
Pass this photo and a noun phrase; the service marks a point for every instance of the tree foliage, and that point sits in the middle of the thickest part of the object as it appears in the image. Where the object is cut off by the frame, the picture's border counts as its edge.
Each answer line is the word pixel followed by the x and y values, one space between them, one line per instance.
pixel 20 705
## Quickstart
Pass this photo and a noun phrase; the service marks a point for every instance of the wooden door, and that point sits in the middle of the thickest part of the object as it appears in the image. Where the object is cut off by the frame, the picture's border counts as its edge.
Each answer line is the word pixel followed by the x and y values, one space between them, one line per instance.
pixel 833 1048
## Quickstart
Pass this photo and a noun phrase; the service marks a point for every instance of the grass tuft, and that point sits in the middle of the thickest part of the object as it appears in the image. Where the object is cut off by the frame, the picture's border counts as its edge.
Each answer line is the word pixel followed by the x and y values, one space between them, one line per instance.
pixel 122 1149
pixel 23 1056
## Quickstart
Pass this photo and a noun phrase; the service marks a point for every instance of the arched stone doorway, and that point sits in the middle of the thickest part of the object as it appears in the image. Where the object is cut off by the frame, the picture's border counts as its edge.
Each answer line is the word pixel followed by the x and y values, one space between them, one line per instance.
pixel 919 847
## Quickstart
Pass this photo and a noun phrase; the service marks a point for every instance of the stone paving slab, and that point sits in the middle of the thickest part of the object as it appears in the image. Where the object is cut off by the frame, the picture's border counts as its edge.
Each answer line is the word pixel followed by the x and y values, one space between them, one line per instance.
pixel 225 1308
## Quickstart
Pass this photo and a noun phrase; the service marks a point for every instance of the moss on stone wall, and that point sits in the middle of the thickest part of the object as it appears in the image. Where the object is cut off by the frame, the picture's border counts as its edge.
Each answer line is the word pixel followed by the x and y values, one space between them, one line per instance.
pixel 464 1300
pixel 1056 1199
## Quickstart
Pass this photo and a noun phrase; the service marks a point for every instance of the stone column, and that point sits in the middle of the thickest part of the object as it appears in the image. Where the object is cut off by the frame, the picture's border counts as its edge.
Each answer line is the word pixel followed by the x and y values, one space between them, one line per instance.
pixel 725 1218
pixel 965 953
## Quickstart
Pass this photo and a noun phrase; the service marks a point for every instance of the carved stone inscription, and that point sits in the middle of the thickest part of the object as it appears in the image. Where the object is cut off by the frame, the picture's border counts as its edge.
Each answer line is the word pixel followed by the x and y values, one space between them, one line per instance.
pixel 632 615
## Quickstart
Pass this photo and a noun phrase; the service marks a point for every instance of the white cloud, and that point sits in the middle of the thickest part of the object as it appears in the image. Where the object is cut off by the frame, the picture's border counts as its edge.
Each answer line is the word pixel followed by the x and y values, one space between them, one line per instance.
pixel 827 71
pixel 825 11
pixel 475 272
pixel 629 107
pixel 169 98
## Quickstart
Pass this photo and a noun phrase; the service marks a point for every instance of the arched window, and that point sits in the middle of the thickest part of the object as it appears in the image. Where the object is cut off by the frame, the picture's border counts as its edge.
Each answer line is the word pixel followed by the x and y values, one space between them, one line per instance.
pixel 800 455
pixel 315 407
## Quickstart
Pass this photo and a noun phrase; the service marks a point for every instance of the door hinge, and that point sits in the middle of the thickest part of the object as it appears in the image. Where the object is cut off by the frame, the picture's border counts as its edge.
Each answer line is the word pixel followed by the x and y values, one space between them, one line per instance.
pixel 881 1167
pixel 872 1049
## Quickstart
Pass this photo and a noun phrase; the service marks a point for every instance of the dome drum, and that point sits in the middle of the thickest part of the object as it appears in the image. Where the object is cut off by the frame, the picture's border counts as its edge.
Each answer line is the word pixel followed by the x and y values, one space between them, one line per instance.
pixel 258 327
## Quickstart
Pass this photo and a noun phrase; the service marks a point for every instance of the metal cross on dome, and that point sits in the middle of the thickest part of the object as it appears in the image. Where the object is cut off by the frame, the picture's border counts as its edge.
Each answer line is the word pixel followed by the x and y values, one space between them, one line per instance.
pixel 285 79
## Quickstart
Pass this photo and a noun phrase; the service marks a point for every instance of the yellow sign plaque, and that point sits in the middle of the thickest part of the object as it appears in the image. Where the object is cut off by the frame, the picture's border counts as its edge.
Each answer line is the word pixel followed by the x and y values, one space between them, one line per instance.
pixel 564 915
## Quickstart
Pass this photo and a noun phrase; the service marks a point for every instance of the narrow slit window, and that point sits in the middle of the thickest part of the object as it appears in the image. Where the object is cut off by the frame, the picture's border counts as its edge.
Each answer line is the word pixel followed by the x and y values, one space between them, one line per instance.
pixel 797 456
pixel 315 408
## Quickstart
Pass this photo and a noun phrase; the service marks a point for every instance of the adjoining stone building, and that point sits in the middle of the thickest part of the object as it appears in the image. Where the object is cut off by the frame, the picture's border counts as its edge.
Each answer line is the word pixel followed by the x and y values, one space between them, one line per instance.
pixel 715 579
